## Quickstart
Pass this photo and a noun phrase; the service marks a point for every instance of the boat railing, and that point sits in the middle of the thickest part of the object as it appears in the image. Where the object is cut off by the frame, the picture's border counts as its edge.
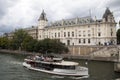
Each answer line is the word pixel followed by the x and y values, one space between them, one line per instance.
pixel 44 58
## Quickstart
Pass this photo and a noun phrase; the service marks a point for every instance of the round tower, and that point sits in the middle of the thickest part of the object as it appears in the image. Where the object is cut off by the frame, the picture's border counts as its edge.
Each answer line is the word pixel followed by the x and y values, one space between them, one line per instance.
pixel 108 16
pixel 42 21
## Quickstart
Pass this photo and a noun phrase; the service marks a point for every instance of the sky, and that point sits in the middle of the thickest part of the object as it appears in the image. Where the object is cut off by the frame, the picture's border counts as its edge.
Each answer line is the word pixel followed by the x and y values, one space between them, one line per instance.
pixel 15 14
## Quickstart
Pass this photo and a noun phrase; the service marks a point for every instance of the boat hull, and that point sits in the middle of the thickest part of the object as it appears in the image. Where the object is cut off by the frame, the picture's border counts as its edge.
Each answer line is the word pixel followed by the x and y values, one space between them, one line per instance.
pixel 58 72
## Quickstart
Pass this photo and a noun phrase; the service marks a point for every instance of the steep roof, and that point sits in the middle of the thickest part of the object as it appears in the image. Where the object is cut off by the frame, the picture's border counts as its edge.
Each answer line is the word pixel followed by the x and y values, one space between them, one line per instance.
pixel 42 16
pixel 74 21
pixel 107 12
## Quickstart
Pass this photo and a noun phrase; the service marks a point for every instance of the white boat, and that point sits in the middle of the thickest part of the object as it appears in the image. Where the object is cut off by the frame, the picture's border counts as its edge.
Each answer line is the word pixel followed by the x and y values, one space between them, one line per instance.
pixel 55 66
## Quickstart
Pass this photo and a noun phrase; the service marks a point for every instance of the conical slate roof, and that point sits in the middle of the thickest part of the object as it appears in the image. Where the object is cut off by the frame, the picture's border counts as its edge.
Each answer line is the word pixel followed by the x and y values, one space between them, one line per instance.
pixel 42 16
pixel 107 12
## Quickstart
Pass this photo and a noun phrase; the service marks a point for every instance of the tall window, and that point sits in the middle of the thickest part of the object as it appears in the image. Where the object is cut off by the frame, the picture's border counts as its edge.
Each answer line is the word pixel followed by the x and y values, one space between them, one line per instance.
pixel 68 34
pixel 88 40
pixel 111 32
pixel 79 40
pixel 83 33
pixel 99 34
pixel 79 33
pixel 83 40
pixel 72 34
pixel 55 34
pixel 59 34
pixel 68 42
pixel 64 34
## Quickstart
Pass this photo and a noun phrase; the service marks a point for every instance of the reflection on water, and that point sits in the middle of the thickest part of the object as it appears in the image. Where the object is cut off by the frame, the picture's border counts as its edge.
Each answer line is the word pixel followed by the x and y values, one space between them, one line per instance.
pixel 11 69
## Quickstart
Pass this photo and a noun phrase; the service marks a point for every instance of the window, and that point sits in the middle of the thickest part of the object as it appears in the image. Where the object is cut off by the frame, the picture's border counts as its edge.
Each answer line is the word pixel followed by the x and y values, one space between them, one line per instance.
pixel 79 40
pixel 88 40
pixel 55 34
pixel 59 34
pixel 84 33
pixel 83 40
pixel 64 34
pixel 79 33
pixel 68 42
pixel 88 34
pixel 72 34
pixel 99 34
pixel 111 32
pixel 68 34
pixel 73 44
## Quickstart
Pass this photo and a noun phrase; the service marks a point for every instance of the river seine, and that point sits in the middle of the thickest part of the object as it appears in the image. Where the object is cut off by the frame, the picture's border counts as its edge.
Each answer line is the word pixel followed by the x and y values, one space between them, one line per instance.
pixel 11 69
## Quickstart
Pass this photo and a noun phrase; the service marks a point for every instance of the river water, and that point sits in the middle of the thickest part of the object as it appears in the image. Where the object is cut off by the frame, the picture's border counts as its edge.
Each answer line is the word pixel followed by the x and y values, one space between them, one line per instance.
pixel 11 69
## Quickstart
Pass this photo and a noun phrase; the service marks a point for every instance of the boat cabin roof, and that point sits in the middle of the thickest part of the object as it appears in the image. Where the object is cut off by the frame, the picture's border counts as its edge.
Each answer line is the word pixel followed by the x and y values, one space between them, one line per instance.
pixel 66 63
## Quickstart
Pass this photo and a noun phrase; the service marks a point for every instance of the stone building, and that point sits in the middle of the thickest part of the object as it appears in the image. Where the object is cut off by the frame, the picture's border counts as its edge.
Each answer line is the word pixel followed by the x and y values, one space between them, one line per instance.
pixel 32 31
pixel 80 31
pixel 77 31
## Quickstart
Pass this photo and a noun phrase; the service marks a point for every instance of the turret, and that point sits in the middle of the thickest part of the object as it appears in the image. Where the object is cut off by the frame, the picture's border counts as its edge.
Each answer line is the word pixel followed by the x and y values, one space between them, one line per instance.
pixel 108 16
pixel 119 23
pixel 42 20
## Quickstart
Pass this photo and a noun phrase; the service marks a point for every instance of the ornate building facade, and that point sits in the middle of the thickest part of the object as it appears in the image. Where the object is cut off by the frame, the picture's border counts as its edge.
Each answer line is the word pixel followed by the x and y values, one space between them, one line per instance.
pixel 76 31
pixel 80 31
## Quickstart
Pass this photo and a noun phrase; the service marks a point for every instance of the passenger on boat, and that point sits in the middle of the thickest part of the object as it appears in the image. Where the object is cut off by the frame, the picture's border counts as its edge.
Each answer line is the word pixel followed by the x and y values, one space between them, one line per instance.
pixel 48 59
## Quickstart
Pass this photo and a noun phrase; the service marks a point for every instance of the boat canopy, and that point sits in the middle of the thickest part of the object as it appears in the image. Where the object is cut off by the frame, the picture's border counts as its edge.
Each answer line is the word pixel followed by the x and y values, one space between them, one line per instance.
pixel 66 63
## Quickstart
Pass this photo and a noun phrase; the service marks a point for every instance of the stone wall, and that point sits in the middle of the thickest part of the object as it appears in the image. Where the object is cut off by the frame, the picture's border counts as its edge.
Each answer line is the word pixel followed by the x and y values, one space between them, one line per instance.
pixel 83 50
pixel 98 51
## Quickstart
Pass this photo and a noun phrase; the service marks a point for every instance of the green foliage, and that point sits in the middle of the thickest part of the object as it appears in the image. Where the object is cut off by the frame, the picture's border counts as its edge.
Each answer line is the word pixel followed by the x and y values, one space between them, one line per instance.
pixel 29 43
pixel 51 46
pixel 118 36
pixel 4 42
pixel 18 38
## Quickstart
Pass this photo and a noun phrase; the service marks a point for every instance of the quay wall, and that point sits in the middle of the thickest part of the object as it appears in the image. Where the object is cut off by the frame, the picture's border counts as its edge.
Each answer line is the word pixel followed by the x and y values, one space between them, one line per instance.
pixel 103 53
pixel 117 67
pixel 83 50
pixel 89 50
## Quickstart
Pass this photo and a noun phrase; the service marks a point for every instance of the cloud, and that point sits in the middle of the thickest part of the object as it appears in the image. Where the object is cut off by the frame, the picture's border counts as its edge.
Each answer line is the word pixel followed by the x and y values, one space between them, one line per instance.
pixel 114 3
pixel 25 13
pixel 5 5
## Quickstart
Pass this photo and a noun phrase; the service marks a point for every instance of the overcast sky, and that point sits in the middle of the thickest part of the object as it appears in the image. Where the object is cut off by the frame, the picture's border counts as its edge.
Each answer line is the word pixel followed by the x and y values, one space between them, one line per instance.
pixel 16 14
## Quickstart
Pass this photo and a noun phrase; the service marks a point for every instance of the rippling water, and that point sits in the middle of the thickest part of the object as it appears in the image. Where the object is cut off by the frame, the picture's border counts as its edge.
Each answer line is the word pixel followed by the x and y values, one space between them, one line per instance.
pixel 11 69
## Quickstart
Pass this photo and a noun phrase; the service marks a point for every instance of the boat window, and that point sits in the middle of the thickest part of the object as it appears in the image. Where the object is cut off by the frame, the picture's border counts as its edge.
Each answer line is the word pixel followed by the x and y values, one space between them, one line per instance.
pixel 64 67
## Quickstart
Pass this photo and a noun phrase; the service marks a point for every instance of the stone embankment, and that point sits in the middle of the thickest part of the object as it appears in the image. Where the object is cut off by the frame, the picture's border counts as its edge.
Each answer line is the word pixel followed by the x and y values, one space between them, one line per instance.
pixel 104 53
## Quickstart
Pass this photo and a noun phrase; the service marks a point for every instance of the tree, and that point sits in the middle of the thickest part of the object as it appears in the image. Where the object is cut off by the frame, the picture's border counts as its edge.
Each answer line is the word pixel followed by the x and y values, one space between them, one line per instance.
pixel 29 44
pixel 4 42
pixel 50 46
pixel 18 38
pixel 118 36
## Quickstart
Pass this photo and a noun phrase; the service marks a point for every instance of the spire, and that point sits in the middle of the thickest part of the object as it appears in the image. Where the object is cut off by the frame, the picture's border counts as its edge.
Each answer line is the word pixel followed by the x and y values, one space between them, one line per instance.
pixel 119 23
pixel 107 12
pixel 42 16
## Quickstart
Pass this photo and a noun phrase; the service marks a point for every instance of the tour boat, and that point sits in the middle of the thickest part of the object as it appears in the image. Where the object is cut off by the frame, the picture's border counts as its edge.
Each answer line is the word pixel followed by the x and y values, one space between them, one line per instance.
pixel 56 66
